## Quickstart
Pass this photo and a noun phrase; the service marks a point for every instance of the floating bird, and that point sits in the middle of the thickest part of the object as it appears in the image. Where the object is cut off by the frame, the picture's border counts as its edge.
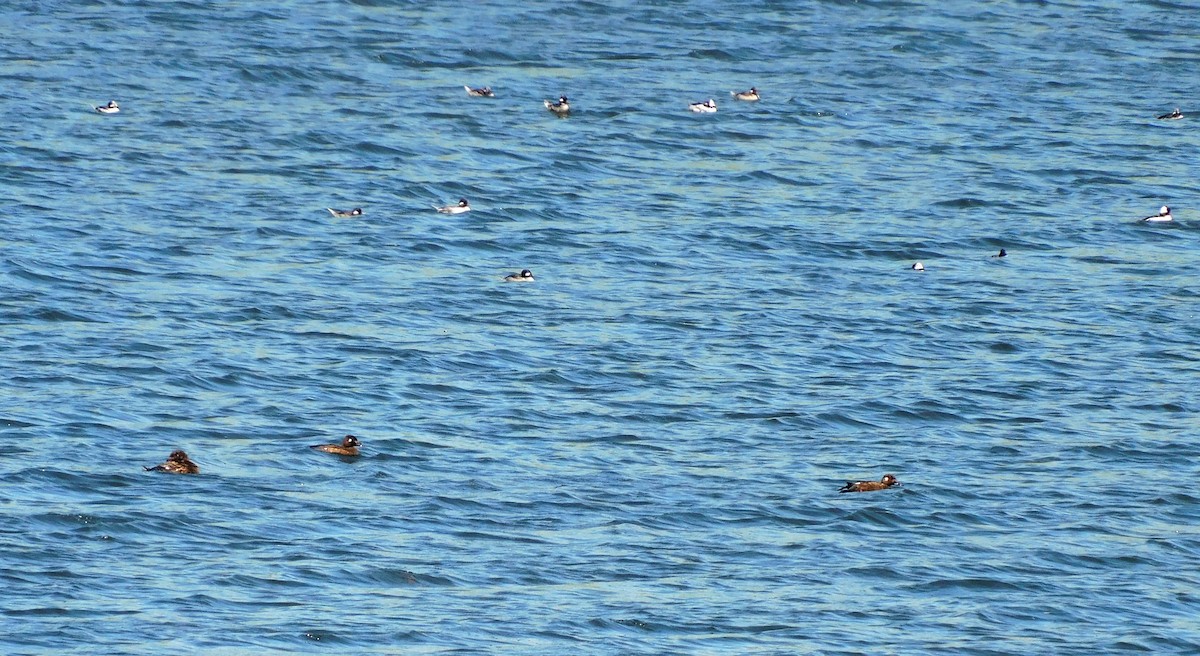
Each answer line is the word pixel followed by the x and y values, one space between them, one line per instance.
pixel 110 108
pixel 343 214
pixel 1002 253
pixel 1171 116
pixel 482 92
pixel 1164 215
pixel 177 463
pixel 918 267
pixel 562 107
pixel 348 447
pixel 463 206
pixel 525 276
pixel 750 95
pixel 870 486
pixel 707 107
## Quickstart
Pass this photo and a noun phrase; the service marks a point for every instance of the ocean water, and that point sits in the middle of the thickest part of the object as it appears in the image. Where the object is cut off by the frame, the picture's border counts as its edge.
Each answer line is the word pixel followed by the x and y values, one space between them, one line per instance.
pixel 639 452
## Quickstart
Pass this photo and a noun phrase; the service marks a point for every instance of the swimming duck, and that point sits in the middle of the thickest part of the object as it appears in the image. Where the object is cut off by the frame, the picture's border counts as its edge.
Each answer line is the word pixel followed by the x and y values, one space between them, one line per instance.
pixel 750 95
pixel 463 206
pixel 177 463
pixel 562 107
pixel 481 92
pixel 525 276
pixel 348 447
pixel 1164 215
pixel 110 108
pixel 870 486
pixel 1002 253
pixel 1172 116
pixel 707 107
pixel 918 267
pixel 342 214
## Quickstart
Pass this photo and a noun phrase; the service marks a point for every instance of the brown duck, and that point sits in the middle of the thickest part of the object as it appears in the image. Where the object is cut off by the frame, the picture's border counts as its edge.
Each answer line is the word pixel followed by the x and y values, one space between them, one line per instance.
pixel 177 463
pixel 348 447
pixel 870 486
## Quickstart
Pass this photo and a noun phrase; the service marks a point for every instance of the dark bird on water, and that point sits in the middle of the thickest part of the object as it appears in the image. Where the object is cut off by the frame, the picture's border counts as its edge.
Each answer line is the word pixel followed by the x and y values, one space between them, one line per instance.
pixel 348 447
pixel 870 486
pixel 177 463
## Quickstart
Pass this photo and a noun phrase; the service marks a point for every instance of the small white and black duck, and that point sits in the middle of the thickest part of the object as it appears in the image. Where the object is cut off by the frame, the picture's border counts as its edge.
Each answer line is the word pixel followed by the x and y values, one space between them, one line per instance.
pixel 1164 215
pixel 525 276
pixel 462 206
pixel 562 107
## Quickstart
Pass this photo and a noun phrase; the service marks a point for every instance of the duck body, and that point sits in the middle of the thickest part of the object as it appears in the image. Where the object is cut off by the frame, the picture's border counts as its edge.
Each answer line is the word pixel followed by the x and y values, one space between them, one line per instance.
pixel 748 96
pixel 524 276
pixel 344 214
pixel 870 486
pixel 348 447
pixel 1171 116
pixel 110 108
pixel 918 267
pixel 1164 215
pixel 562 107
pixel 177 463
pixel 462 206
pixel 707 107
pixel 481 92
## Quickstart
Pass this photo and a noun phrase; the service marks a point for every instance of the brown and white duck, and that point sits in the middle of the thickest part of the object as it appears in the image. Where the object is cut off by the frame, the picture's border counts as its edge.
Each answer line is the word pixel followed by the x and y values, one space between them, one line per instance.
pixel 749 96
pixel 348 447
pixel 870 486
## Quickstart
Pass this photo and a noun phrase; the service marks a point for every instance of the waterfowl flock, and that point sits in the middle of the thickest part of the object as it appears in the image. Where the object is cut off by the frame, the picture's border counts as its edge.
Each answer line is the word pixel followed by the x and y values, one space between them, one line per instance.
pixel 178 461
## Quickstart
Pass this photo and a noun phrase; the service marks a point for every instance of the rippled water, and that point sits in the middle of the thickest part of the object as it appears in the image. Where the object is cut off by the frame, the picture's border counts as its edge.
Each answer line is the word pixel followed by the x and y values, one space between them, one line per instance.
pixel 640 452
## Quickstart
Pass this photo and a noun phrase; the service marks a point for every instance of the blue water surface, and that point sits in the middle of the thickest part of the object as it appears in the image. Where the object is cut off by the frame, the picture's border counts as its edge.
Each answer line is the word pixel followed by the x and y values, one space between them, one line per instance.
pixel 639 452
